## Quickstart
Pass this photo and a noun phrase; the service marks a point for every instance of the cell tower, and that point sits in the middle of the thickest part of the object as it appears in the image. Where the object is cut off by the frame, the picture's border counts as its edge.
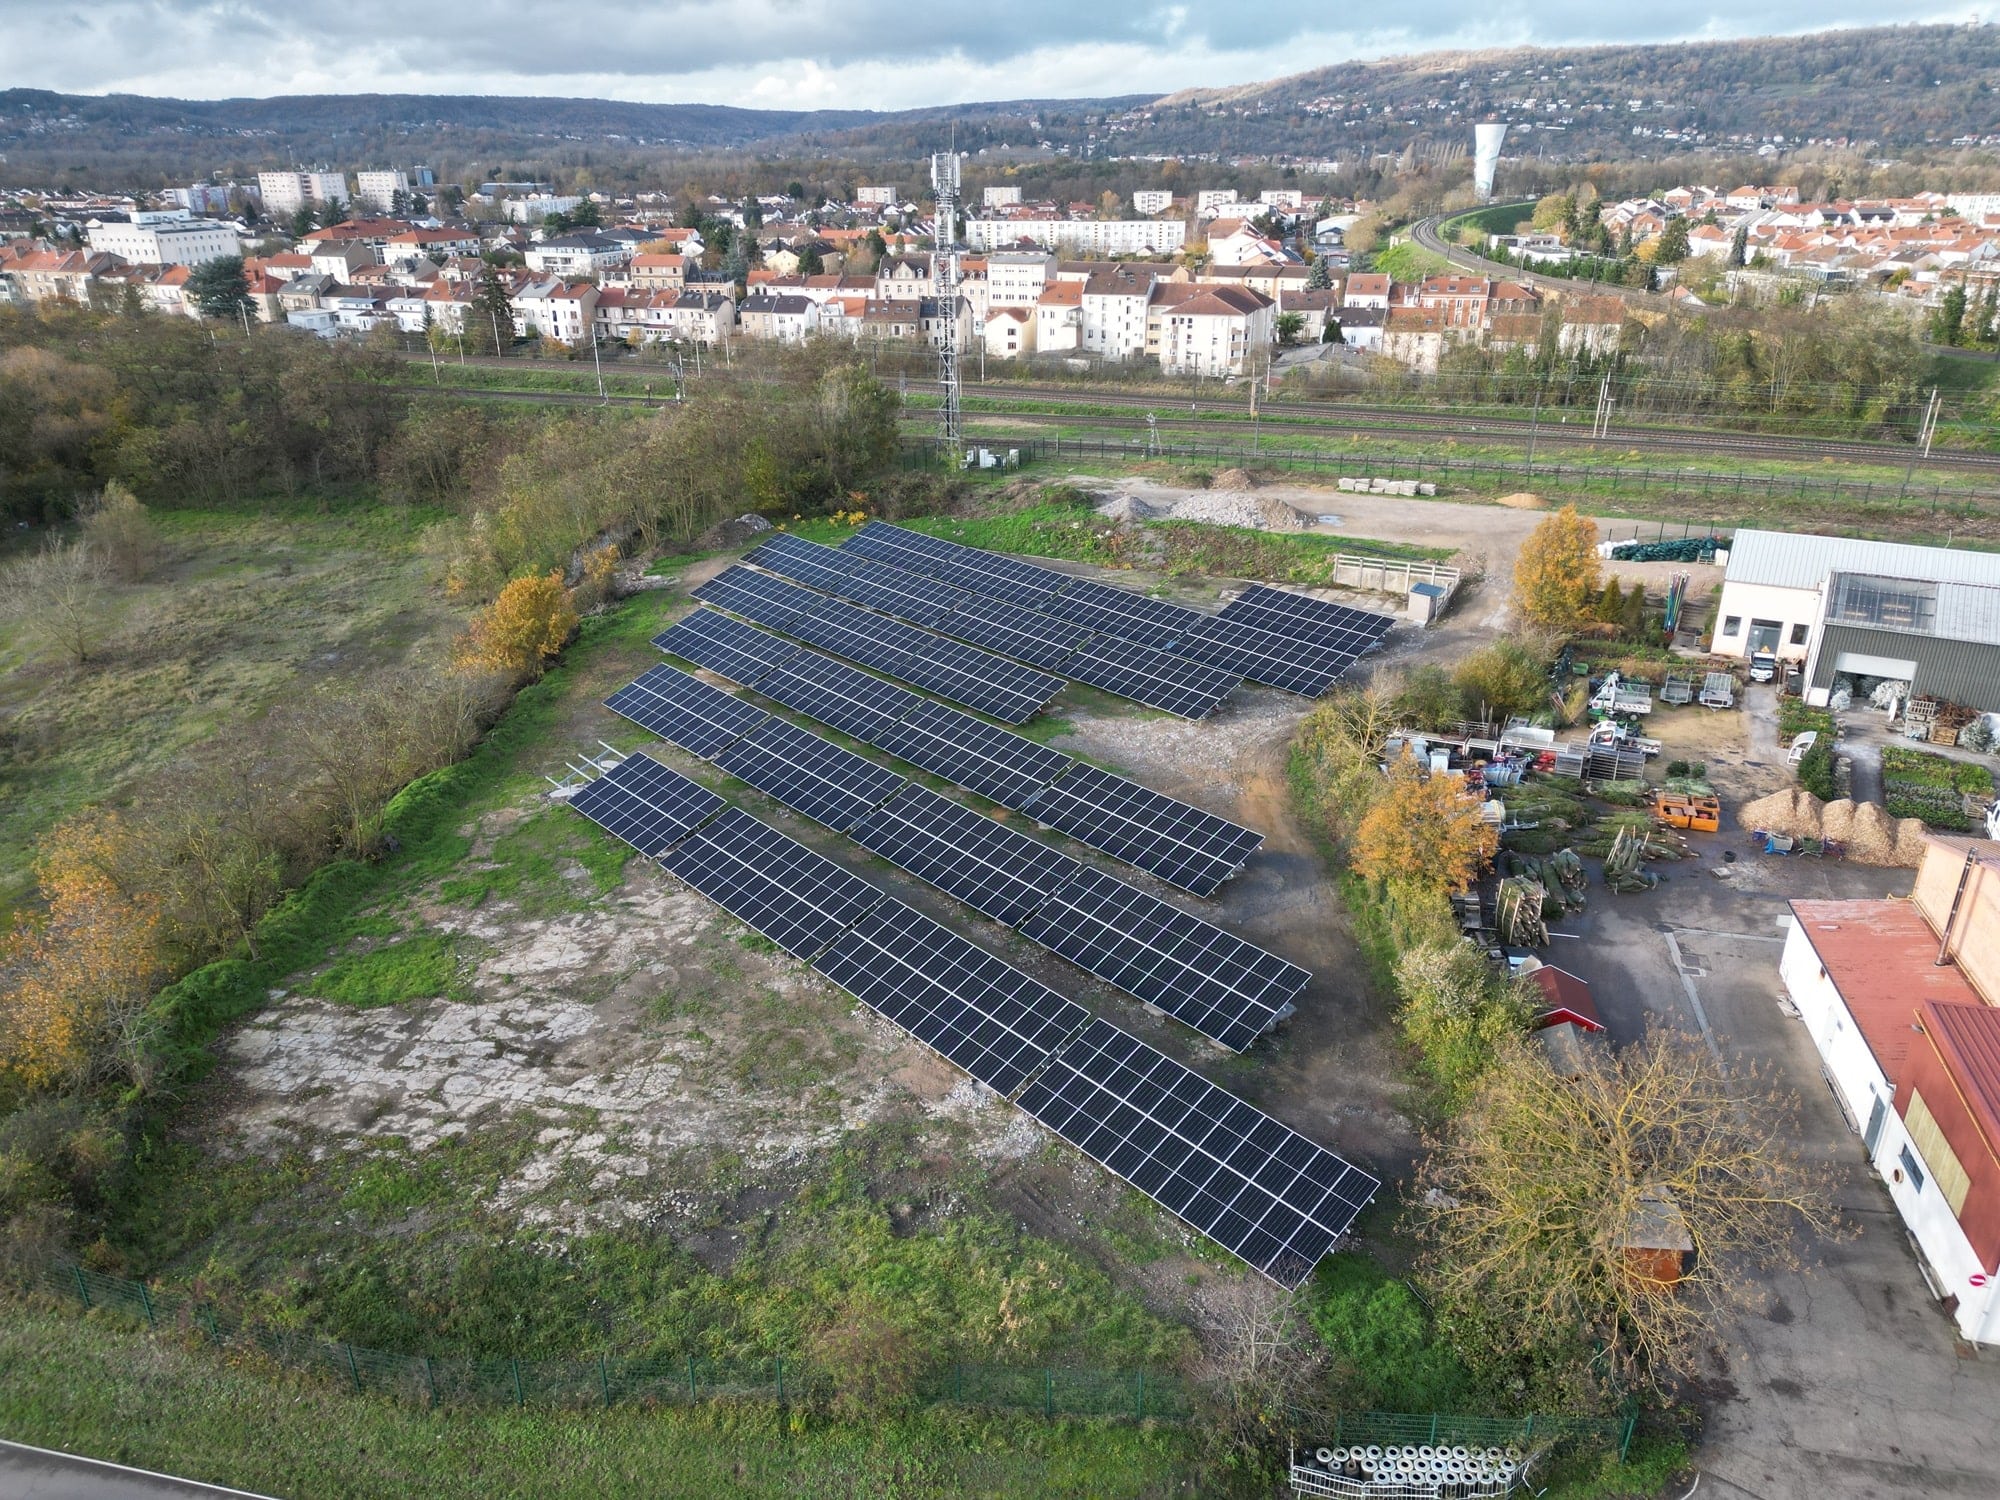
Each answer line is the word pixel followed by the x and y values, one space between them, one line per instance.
pixel 944 188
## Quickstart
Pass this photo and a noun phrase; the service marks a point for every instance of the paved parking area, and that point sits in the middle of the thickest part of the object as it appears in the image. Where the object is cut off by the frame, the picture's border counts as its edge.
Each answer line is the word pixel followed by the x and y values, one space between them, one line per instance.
pixel 1851 1383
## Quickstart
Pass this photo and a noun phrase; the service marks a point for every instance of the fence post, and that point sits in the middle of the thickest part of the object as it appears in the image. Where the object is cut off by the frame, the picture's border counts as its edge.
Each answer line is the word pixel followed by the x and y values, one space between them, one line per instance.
pixel 430 1382
pixel 1625 1442
pixel 604 1378
pixel 146 1301
pixel 519 1398
pixel 1434 1427
pixel 82 1286
pixel 1049 1394
pixel 353 1369
pixel 694 1393
pixel 214 1332
pixel 780 1362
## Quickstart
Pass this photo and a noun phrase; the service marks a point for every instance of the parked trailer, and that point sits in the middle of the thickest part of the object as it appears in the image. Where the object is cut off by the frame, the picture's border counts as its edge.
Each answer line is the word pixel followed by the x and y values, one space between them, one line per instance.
pixel 1614 696
pixel 1718 690
pixel 1678 689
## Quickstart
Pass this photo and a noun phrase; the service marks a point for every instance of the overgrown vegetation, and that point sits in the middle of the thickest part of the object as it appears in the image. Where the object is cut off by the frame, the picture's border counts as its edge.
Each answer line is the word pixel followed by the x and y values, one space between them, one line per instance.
pixel 1919 784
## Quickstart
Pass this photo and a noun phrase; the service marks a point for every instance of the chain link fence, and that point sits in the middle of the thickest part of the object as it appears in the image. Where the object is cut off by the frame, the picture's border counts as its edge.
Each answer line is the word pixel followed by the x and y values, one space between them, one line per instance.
pixel 610 1380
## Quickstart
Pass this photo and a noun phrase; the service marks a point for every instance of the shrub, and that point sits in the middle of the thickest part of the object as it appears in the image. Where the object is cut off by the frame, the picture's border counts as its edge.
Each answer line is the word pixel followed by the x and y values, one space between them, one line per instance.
pixel 1816 769
pixel 523 629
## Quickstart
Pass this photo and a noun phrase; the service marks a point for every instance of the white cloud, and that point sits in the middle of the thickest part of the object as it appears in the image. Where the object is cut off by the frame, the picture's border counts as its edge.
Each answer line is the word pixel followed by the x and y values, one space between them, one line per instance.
pixel 801 54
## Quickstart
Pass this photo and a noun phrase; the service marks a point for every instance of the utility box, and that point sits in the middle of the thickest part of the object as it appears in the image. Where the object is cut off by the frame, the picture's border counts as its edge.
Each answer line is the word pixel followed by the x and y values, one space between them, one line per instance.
pixel 1426 603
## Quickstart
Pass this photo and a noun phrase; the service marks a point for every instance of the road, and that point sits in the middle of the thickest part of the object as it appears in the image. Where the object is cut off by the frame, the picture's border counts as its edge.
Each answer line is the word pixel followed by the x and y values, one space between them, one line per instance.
pixel 40 1474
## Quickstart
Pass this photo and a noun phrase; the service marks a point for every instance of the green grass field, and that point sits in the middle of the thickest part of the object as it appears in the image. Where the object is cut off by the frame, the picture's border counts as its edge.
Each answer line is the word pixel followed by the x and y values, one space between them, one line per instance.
pixel 89 1386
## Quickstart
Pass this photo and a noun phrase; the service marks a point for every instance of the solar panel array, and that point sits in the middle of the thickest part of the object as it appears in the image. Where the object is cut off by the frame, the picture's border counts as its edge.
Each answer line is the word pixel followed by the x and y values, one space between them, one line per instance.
pixel 685 711
pixel 1174 840
pixel 646 805
pixel 1003 689
pixel 1261 1190
pixel 1180 843
pixel 998 871
pixel 1203 977
pixel 1281 639
pixel 985 1015
pixel 810 774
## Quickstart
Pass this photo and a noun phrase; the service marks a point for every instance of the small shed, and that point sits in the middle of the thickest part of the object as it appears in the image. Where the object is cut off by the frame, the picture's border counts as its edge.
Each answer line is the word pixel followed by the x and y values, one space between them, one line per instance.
pixel 1567 999
pixel 1426 603
pixel 1658 1248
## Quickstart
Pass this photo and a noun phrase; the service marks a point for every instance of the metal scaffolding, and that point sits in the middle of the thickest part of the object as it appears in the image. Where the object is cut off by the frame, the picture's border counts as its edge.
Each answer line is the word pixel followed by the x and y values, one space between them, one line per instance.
pixel 944 187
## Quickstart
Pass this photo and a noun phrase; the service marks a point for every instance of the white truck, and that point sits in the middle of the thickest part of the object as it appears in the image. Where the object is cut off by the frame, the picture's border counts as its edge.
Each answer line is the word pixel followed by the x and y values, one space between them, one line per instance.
pixel 1763 666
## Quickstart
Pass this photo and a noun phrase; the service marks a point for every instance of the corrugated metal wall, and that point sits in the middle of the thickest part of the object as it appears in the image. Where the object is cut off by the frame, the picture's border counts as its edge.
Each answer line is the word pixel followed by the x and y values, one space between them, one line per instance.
pixel 1965 672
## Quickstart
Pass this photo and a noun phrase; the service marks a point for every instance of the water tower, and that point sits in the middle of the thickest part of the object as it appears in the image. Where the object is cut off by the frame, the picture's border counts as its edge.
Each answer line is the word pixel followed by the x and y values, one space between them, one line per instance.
pixel 1486 141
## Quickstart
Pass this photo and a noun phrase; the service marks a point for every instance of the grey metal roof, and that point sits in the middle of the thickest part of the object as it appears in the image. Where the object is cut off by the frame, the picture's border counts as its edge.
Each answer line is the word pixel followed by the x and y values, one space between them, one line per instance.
pixel 1786 560
pixel 1967 612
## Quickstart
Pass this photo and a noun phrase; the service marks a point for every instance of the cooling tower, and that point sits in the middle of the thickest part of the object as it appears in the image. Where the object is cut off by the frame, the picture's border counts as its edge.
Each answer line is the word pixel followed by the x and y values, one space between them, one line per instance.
pixel 1486 141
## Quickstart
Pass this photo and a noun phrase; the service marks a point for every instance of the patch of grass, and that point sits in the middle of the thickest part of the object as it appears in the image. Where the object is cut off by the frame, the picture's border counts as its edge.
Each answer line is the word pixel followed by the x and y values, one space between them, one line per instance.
pixel 89 1387
pixel 412 968
pixel 552 862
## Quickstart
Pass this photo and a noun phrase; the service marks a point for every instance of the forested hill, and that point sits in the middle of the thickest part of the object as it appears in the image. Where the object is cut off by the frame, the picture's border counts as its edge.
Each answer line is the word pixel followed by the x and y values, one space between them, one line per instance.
pixel 1890 88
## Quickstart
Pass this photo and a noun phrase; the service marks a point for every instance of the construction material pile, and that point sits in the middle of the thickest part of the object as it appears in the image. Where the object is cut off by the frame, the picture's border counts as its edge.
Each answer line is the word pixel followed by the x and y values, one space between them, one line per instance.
pixel 1680 549
pixel 1866 834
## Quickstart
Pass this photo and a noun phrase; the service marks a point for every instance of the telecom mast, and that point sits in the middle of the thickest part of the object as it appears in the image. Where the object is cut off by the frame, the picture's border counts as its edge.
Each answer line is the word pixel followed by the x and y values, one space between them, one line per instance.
pixel 944 264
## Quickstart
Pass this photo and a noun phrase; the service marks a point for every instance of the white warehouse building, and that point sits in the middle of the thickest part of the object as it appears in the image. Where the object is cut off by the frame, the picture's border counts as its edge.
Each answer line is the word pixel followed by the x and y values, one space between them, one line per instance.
pixel 164 237
pixel 1844 607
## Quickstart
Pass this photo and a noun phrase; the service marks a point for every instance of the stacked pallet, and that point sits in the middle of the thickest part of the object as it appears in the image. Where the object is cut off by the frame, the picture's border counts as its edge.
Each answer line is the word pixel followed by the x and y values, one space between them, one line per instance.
pixel 1940 721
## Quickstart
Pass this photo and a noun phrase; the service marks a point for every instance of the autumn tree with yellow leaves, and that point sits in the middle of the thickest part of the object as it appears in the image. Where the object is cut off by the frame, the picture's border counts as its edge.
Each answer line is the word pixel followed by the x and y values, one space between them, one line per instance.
pixel 521 630
pixel 1424 832
pixel 1556 578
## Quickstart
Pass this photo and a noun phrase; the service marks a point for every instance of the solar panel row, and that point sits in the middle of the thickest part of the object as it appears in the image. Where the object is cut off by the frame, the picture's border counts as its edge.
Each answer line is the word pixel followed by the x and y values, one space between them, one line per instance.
pixel 740 652
pixel 993 685
pixel 1263 1191
pixel 1070 647
pixel 685 711
pixel 1267 635
pixel 1174 840
pixel 810 774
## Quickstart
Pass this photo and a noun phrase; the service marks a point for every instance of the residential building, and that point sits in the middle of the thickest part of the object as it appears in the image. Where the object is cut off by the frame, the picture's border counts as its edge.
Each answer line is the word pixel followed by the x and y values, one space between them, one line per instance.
pixel 60 275
pixel 1314 308
pixel 659 271
pixel 899 277
pixel 1290 200
pixel 1844 607
pixel 783 319
pixel 1418 337
pixel 1015 278
pixel 1902 999
pixel 535 207
pixel 1009 332
pixel 285 193
pixel 1000 197
pixel 428 244
pixel 1361 328
pixel 1235 242
pixel 339 259
pixel 556 309
pixel 1113 311
pixel 378 190
pixel 880 195
pixel 1105 237
pixel 581 254
pixel 1059 317
pixel 1215 331
pixel 164 238
pixel 1208 200
pixel 1367 289
pixel 1149 201
pixel 376 234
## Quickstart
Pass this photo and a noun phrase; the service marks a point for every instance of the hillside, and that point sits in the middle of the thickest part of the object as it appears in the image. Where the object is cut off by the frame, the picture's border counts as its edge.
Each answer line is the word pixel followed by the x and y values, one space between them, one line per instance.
pixel 1895 88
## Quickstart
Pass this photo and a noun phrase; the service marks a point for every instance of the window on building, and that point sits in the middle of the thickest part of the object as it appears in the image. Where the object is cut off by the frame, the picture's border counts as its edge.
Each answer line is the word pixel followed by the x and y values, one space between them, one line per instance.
pixel 1911 1169
pixel 1731 624
pixel 1799 634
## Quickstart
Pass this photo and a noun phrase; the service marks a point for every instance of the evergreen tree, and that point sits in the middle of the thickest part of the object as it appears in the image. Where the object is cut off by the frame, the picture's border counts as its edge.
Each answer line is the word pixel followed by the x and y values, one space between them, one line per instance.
pixel 399 204
pixel 302 222
pixel 492 314
pixel 1947 325
pixel 419 206
pixel 1989 312
pixel 1739 245
pixel 811 263
pixel 221 288
pixel 1673 247
pixel 1319 277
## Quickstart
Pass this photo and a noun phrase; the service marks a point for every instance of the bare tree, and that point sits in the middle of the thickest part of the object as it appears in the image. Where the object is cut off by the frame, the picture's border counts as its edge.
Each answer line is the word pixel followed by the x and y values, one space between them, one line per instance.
pixel 57 596
pixel 120 531
pixel 1533 1197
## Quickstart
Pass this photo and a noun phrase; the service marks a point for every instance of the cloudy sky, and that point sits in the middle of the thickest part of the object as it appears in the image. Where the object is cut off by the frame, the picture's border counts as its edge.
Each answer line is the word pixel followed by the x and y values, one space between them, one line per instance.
pixel 802 54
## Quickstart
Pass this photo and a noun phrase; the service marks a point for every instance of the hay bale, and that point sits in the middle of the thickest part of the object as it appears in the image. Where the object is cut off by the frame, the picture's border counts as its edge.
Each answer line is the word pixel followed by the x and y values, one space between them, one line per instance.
pixel 1523 500
pixel 1794 812
pixel 1872 841
pixel 1910 836
pixel 1836 820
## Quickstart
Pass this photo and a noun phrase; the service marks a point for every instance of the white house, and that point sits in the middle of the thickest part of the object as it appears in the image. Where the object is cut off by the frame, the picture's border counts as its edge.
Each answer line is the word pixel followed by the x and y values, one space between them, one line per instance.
pixel 1215 331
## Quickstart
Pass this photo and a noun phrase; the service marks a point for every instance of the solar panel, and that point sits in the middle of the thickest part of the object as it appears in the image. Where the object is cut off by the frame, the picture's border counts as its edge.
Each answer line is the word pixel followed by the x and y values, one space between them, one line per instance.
pixel 997 577
pixel 1024 634
pixel 1262 1191
pixel 895 544
pixel 847 698
pixel 645 804
pixel 1000 765
pixel 1203 977
pixel 899 592
pixel 999 872
pixel 758 596
pixel 1265 656
pixel 1156 678
pixel 798 899
pixel 739 652
pixel 807 562
pixel 846 631
pixel 1180 843
pixel 999 688
pixel 828 784
pixel 1121 612
pixel 985 1015
pixel 685 711
pixel 1304 618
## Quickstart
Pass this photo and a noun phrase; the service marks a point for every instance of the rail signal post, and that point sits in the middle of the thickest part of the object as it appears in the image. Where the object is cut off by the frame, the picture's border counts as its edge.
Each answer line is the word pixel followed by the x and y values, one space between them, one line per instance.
pixel 944 188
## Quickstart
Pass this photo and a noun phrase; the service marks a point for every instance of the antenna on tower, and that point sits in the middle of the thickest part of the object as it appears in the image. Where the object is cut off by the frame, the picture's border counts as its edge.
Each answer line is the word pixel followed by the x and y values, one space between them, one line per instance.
pixel 944 188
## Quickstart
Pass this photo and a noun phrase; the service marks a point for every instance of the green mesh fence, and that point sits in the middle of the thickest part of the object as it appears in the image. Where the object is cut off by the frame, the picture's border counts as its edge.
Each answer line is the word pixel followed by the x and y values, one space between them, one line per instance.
pixel 1405 1429
pixel 612 1379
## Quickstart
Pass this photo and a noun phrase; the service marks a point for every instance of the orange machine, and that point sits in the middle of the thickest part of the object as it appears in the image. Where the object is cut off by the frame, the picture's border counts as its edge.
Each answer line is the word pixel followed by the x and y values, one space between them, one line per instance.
pixel 1680 810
